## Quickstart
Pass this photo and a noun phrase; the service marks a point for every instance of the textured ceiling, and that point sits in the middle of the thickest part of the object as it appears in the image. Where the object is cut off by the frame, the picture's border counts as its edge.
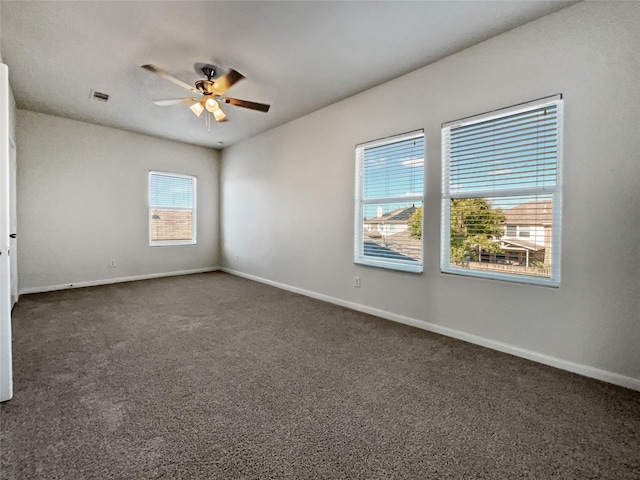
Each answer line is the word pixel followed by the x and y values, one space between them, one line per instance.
pixel 297 56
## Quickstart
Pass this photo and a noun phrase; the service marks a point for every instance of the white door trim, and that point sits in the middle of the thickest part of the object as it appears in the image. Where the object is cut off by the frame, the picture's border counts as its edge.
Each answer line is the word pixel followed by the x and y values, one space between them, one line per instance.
pixel 6 375
pixel 13 224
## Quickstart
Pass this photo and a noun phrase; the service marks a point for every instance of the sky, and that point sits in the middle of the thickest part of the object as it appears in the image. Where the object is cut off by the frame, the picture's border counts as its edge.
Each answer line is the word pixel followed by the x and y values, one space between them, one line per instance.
pixel 393 170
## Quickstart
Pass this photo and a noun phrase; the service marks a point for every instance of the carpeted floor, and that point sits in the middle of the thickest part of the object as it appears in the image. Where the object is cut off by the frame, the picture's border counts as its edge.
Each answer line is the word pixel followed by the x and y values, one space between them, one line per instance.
pixel 216 377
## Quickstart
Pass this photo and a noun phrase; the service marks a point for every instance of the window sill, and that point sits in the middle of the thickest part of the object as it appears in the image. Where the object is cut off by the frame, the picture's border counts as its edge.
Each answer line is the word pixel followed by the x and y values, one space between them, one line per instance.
pixel 410 267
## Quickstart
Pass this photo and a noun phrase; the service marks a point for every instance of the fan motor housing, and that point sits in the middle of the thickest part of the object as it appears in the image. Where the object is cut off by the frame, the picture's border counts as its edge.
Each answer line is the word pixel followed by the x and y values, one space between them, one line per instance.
pixel 205 86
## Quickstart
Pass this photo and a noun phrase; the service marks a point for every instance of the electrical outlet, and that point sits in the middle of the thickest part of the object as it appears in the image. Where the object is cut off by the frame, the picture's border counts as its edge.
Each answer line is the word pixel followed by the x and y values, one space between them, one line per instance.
pixel 112 262
pixel 356 282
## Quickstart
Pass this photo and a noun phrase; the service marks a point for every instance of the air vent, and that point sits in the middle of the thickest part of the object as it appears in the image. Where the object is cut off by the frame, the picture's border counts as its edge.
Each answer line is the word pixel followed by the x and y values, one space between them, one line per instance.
pixel 102 97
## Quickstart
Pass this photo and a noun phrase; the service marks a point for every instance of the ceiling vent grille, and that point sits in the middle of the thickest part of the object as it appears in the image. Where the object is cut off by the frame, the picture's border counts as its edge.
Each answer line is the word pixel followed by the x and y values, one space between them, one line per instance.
pixel 102 97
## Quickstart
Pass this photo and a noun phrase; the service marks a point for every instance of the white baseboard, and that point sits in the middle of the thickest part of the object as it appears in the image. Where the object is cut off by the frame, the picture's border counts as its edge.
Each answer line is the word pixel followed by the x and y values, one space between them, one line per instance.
pixel 585 370
pixel 107 281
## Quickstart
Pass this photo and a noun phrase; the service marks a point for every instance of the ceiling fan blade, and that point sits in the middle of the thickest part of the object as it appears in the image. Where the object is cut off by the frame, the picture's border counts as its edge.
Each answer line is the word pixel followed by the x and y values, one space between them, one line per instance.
pixel 167 76
pixel 225 82
pixel 261 107
pixel 175 101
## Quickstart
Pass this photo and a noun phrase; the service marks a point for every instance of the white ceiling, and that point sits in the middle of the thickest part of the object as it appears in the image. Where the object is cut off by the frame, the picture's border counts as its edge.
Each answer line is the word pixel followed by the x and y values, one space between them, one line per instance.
pixel 297 56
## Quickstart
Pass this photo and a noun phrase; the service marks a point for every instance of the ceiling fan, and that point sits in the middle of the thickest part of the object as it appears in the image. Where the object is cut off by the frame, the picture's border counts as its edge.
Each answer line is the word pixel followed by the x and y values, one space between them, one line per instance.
pixel 211 91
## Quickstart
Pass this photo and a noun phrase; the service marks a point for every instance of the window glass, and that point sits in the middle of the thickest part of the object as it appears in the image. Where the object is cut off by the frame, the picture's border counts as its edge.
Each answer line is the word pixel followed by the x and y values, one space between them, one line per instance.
pixel 171 209
pixel 389 197
pixel 501 194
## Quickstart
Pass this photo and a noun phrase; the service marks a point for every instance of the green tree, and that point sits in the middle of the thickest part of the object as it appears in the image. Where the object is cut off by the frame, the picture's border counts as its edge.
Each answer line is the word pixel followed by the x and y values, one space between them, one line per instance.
pixel 415 223
pixel 474 223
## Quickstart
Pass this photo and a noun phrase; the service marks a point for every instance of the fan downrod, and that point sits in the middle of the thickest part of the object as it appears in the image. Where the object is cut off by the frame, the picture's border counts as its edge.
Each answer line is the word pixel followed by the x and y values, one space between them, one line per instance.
pixel 209 72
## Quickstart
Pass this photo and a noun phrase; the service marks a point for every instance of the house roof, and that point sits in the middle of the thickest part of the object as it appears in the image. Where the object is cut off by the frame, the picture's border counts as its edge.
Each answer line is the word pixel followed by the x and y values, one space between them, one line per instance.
pixel 507 243
pixel 529 213
pixel 399 245
pixel 399 215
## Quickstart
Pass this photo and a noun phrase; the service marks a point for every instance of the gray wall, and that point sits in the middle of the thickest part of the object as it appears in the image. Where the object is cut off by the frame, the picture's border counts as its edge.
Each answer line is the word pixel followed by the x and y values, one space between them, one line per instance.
pixel 287 196
pixel 82 200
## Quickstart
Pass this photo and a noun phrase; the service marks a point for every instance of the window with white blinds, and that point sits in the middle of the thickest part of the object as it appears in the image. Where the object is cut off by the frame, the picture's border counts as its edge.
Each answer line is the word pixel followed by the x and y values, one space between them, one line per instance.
pixel 389 198
pixel 501 194
pixel 172 213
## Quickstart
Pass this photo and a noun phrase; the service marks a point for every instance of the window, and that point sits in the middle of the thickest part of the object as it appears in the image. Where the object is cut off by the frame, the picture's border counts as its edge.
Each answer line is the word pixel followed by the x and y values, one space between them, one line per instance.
pixel 524 232
pixel 389 196
pixel 501 194
pixel 172 210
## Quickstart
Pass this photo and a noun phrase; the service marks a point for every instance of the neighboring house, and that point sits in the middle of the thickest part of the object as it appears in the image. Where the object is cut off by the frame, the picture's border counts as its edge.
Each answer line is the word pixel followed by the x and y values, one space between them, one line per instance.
pixel 527 236
pixel 387 235
pixel 399 246
pixel 171 225
pixel 390 223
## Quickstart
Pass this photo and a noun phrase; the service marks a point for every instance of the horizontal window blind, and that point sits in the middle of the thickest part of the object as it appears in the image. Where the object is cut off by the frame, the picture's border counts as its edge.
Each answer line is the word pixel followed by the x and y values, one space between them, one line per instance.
pixel 389 197
pixel 513 152
pixel 394 169
pixel 171 209
pixel 171 191
pixel 501 194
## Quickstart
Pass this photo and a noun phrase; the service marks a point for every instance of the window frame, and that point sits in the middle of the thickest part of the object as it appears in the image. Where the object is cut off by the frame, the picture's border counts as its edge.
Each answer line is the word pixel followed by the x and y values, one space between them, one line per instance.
pixel 151 207
pixel 360 202
pixel 554 191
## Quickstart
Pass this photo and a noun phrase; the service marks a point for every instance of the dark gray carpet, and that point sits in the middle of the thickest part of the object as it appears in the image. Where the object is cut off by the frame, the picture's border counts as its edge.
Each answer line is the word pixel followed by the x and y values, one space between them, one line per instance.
pixel 216 377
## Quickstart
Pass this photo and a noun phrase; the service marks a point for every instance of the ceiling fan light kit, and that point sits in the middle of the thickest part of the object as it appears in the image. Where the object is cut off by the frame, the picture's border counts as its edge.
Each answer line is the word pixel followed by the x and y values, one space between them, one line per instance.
pixel 211 105
pixel 197 108
pixel 211 91
pixel 219 115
